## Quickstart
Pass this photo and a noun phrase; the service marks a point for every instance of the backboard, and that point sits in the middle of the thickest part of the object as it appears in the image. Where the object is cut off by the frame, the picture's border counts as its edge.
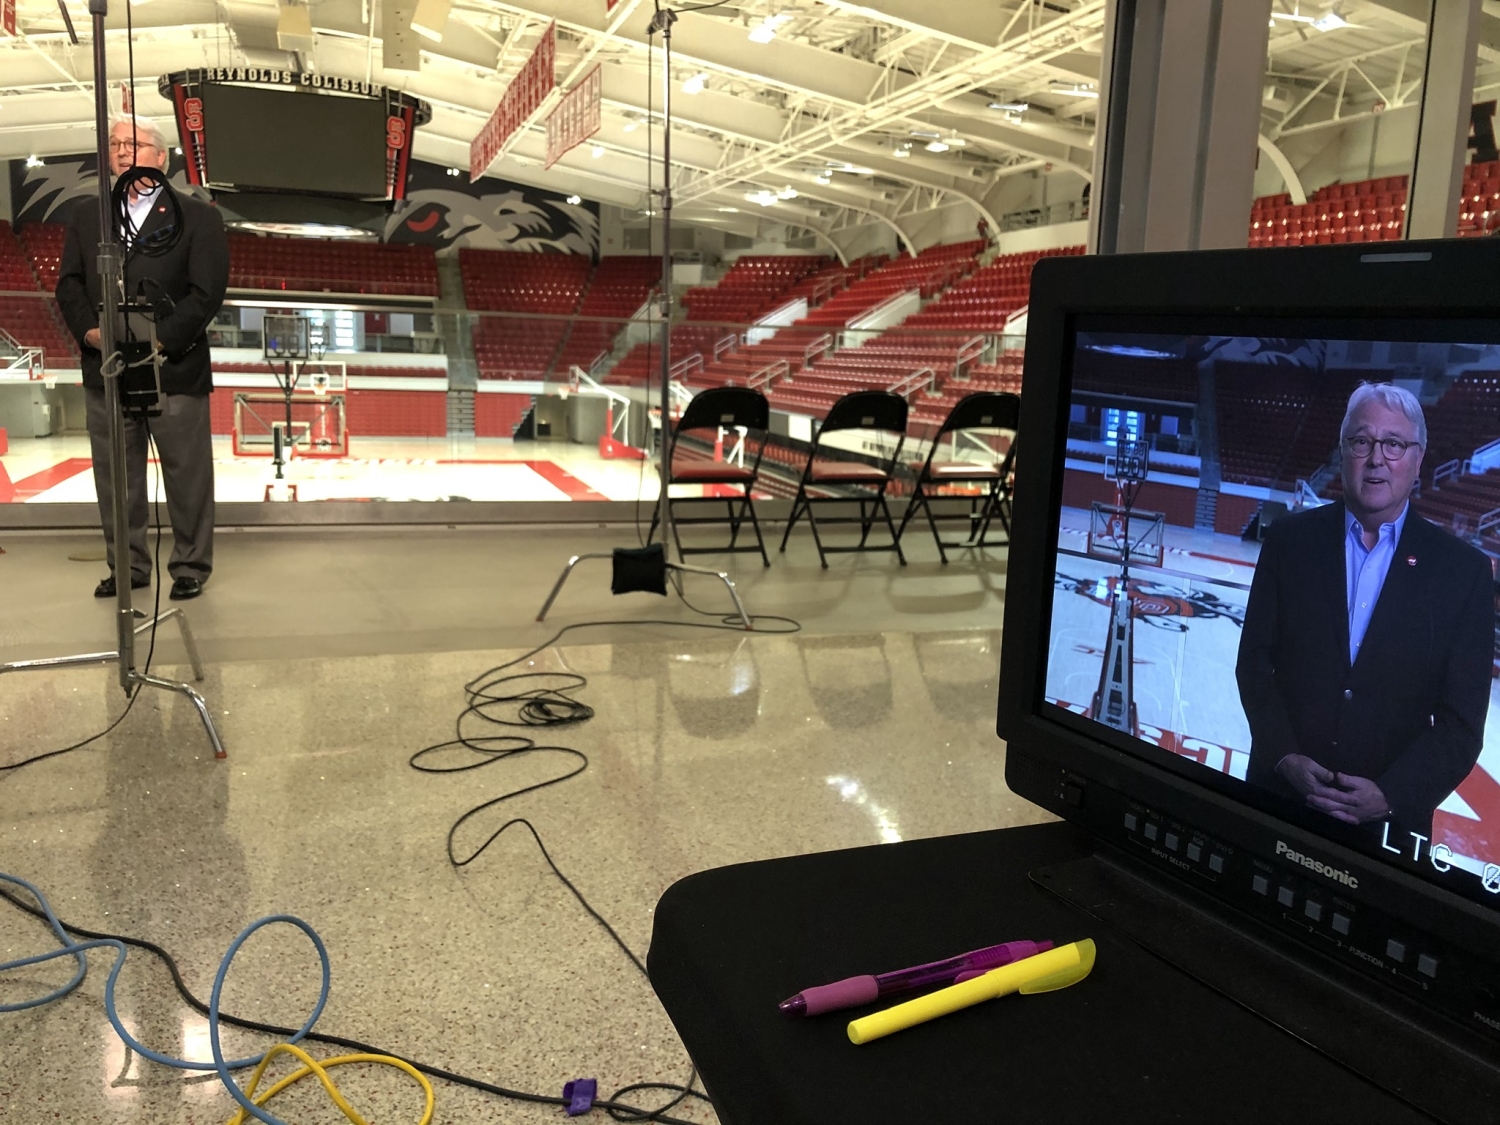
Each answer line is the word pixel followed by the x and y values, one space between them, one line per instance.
pixel 1112 527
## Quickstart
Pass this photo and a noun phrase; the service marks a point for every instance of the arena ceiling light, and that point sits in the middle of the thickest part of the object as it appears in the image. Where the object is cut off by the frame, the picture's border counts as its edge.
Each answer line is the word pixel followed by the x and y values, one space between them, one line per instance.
pixel 1330 22
pixel 695 84
pixel 766 30
pixel 597 151
pixel 575 200
pixel 1067 89
pixel 34 161
pixel 937 146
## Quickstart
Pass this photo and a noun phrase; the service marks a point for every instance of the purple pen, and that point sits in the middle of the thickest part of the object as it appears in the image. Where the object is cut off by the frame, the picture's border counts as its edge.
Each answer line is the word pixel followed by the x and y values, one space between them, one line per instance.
pixel 861 990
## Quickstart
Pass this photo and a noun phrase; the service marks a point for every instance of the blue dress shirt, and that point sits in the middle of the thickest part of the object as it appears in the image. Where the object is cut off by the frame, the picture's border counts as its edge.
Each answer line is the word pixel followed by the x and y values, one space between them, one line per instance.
pixel 1365 570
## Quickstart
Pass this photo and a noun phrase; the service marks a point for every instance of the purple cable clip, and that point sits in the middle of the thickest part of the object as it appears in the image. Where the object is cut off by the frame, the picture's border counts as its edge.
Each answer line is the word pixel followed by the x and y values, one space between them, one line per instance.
pixel 580 1095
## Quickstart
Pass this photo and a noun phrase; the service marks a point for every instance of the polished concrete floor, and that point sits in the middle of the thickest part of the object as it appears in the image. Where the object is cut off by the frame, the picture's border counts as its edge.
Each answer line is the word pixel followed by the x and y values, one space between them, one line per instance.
pixel 333 656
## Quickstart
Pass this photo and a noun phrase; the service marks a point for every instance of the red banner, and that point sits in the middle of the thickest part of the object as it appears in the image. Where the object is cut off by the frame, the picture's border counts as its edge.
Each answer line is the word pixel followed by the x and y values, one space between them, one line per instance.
pixel 576 118
pixel 521 99
pixel 8 16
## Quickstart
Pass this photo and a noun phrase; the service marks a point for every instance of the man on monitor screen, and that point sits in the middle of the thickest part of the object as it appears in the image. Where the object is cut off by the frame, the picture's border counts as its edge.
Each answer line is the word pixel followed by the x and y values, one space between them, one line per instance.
pixel 1365 661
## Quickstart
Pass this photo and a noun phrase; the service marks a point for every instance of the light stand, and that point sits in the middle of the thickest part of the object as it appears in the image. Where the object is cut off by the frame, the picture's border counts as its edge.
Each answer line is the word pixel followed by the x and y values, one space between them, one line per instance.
pixel 126 626
pixel 1114 702
pixel 662 22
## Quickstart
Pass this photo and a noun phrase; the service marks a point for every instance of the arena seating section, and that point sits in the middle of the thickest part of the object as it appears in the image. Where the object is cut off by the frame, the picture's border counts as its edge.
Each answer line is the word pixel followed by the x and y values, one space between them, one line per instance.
pixel 557 286
pixel 617 288
pixel 1369 211
pixel 324 265
pixel 806 373
pixel 752 287
pixel 34 321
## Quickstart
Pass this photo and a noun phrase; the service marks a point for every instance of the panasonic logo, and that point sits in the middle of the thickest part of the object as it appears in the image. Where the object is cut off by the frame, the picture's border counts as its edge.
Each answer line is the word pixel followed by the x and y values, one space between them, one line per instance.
pixel 1317 866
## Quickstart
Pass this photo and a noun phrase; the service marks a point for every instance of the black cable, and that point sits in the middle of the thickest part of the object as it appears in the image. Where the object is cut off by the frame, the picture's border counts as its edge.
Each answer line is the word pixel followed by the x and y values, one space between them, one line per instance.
pixel 503 698
pixel 612 1106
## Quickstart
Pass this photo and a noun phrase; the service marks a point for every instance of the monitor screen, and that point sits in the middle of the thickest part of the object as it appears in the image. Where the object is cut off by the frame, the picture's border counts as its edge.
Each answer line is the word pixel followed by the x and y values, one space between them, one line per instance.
pixel 294 140
pixel 1275 572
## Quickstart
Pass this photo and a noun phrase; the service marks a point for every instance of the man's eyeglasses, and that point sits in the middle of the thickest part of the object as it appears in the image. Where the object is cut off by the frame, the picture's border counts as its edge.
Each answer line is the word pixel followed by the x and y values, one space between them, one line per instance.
pixel 1393 448
pixel 128 146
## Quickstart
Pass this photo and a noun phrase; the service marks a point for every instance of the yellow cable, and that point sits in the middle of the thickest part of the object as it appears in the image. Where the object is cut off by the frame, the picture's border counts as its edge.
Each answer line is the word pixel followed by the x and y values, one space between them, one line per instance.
pixel 314 1067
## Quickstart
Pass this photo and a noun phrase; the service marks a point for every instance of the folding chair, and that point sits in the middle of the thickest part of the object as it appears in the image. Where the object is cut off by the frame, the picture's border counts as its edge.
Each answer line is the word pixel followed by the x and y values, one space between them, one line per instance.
pixel 719 408
pixel 879 412
pixel 985 410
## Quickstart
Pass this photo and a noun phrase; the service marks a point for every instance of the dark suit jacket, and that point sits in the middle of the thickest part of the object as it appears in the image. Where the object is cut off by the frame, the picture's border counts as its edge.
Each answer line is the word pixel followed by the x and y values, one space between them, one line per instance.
pixel 194 274
pixel 1410 713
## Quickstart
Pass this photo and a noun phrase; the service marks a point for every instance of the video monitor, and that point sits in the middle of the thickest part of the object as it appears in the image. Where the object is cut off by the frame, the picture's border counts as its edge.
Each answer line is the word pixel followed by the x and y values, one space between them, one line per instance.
pixel 1251 604
pixel 1275 562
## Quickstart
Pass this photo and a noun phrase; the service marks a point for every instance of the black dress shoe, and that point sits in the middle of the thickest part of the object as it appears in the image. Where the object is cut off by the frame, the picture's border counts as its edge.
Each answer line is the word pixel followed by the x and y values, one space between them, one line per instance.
pixel 185 588
pixel 106 588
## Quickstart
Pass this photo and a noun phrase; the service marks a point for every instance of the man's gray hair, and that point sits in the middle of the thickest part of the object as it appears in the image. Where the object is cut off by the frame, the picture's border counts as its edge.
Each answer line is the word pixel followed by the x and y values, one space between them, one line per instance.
pixel 1391 397
pixel 145 129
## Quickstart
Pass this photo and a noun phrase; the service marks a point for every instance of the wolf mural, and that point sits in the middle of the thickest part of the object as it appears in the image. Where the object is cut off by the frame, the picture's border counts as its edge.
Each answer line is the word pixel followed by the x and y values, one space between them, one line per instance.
pixel 443 211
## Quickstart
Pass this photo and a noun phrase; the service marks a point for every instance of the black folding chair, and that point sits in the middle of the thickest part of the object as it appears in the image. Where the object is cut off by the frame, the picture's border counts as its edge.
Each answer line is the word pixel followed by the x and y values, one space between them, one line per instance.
pixel 730 408
pixel 878 412
pixel 985 410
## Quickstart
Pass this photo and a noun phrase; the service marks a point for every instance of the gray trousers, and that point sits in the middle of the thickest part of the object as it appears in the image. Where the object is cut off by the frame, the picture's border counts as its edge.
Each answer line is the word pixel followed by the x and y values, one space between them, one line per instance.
pixel 185 444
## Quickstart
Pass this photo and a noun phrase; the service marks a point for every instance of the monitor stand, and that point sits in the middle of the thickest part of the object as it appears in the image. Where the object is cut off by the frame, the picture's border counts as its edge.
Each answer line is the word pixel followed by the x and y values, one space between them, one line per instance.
pixel 1396 1044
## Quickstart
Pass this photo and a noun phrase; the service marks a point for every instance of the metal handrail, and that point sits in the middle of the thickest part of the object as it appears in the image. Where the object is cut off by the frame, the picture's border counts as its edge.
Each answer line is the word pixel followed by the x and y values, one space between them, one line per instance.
pixel 924 379
pixel 725 344
pixel 1448 469
pixel 822 346
pixel 1489 521
pixel 768 374
pixel 968 352
pixel 692 362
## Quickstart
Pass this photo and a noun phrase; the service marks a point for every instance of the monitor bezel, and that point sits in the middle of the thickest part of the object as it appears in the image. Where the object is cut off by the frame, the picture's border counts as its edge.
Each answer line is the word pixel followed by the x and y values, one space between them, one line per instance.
pixel 1431 280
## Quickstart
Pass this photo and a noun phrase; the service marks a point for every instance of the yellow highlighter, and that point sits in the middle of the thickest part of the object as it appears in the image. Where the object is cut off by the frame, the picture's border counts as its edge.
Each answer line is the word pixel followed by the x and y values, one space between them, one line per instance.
pixel 1046 972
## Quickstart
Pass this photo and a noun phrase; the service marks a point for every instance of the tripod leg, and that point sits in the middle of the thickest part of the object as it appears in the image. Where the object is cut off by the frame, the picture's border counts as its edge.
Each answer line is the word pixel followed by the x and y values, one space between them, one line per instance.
pixel 197 701
pixel 722 577
pixel 187 638
pixel 563 577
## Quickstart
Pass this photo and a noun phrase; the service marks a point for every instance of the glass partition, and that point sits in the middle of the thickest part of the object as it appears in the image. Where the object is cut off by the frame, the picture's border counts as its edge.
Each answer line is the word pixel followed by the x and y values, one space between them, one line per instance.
pixel 409 402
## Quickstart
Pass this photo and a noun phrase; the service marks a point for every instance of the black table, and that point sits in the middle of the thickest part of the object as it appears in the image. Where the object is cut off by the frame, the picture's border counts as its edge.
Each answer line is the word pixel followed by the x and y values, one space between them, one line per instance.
pixel 1137 1041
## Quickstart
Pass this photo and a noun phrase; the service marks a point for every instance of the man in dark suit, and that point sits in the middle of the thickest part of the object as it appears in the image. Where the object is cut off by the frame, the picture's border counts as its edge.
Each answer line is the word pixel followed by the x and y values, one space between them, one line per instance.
pixel 190 279
pixel 1365 660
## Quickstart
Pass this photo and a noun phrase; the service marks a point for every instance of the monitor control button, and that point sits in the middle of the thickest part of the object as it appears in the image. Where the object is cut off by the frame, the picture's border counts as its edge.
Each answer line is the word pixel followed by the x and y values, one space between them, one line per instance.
pixel 1341 923
pixel 1427 965
pixel 1313 910
pixel 1173 843
pixel 1216 864
pixel 1072 795
pixel 1395 950
pixel 1286 896
pixel 1132 822
pixel 1152 831
pixel 1194 852
pixel 1260 885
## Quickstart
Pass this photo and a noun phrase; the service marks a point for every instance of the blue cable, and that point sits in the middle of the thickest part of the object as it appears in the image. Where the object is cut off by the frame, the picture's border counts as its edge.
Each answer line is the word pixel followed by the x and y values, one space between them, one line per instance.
pixel 219 1065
